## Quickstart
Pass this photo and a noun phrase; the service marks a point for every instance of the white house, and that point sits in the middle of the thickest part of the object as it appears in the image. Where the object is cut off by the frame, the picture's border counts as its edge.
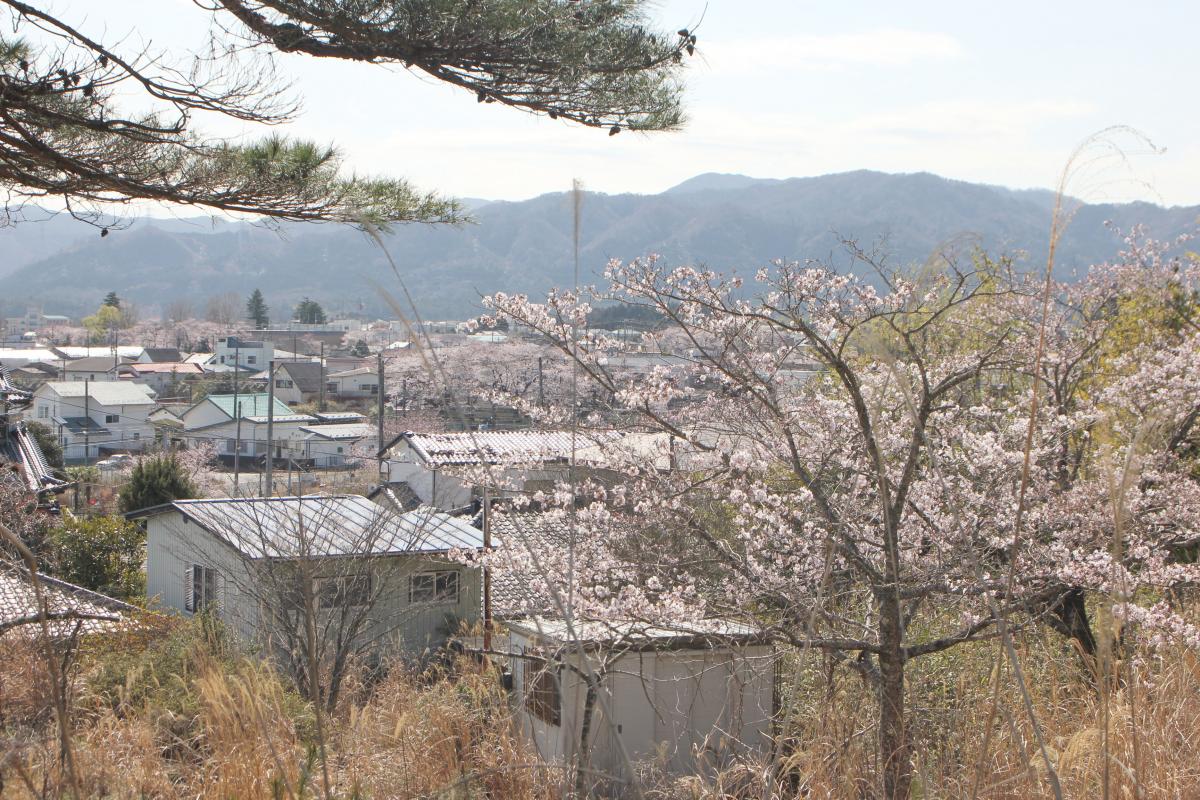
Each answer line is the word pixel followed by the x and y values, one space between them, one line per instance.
pixel 336 444
pixel 214 419
pixel 104 417
pixel 358 382
pixel 689 696
pixel 228 553
pixel 435 465
pixel 93 368
pixel 165 378
pixel 298 381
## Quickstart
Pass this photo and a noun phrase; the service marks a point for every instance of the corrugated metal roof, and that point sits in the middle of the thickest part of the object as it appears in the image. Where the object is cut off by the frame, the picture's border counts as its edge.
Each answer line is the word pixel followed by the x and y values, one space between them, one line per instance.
pixel 339 525
pixel 352 430
pixel 263 419
pixel 253 405
pixel 105 393
pixel 491 447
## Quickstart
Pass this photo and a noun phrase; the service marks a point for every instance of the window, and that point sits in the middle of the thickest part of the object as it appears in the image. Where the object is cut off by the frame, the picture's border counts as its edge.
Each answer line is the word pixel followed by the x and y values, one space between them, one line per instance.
pixel 136 435
pixel 433 587
pixel 230 444
pixel 370 387
pixel 540 687
pixel 111 418
pixel 331 387
pixel 344 591
pixel 283 383
pixel 251 359
pixel 222 359
pixel 43 412
pixel 201 585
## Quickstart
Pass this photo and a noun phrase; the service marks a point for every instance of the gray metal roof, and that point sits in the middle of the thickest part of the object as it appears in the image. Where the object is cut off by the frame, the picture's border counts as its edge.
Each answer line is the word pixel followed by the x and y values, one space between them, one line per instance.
pixel 491 447
pixel 320 525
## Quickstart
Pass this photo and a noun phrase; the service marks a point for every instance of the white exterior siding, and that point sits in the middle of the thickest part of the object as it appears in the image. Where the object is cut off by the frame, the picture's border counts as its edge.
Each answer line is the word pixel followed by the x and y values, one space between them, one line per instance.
pixel 172 544
pixel 667 702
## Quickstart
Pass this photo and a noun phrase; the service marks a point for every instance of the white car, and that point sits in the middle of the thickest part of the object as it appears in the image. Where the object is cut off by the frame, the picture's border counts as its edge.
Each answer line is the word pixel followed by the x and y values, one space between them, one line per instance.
pixel 119 461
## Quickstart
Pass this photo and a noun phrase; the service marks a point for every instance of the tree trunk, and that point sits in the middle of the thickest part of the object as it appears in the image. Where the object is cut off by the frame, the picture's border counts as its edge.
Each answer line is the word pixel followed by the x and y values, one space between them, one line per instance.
pixel 583 764
pixel 894 747
pixel 1068 616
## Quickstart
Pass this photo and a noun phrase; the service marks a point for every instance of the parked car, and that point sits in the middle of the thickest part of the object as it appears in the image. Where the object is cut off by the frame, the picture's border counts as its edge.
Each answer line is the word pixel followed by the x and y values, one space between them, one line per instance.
pixel 119 461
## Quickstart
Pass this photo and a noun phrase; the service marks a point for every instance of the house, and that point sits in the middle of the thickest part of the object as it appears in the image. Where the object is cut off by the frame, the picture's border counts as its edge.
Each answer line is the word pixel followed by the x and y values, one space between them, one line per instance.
pixel 92 419
pixel 335 445
pixel 131 352
pixel 93 368
pixel 19 357
pixel 359 382
pixel 299 381
pixel 689 696
pixel 251 353
pixel 34 374
pixel 228 553
pixel 449 470
pixel 434 464
pixel 160 355
pixel 166 378
pixel 214 419
pixel 70 609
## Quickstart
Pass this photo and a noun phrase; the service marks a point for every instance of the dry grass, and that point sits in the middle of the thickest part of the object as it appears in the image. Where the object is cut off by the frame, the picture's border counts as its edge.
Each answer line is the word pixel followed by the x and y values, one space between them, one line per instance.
pixel 190 719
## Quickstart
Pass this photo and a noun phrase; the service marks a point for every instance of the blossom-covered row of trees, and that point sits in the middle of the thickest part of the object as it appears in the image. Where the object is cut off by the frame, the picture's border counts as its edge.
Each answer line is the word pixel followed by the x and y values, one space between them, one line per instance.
pixel 974 452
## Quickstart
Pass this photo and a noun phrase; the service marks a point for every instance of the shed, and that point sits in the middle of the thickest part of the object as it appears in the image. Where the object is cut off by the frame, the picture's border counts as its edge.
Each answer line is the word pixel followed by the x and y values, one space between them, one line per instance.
pixel 690 696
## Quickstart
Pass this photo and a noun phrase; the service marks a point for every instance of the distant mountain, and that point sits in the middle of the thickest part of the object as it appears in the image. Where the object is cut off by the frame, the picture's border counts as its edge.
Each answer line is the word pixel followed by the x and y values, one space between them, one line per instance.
pixel 723 221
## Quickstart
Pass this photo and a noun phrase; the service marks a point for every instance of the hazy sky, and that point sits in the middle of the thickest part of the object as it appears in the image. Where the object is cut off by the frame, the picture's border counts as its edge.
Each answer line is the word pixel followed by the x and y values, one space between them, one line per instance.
pixel 993 92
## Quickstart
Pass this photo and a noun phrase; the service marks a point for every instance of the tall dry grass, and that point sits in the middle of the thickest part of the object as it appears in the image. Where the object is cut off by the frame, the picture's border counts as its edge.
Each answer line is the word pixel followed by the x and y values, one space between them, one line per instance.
pixel 189 718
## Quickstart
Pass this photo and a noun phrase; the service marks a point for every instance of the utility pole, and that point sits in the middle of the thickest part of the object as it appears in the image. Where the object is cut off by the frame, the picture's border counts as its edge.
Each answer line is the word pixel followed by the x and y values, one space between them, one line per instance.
pixel 487 573
pixel 87 418
pixel 379 403
pixel 237 443
pixel 270 425
pixel 237 414
pixel 541 386
pixel 321 403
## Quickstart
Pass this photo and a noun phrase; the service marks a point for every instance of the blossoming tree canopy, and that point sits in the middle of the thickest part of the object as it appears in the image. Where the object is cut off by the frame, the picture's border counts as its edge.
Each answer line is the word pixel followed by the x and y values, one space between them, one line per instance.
pixel 858 451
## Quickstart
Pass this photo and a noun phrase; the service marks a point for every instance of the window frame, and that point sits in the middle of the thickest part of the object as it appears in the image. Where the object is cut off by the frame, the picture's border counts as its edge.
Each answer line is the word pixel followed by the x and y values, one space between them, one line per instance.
pixel 436 595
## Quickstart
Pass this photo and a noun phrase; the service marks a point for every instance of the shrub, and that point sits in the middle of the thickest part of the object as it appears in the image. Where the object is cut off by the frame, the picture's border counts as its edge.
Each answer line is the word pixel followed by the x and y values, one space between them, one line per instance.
pixel 157 480
pixel 103 554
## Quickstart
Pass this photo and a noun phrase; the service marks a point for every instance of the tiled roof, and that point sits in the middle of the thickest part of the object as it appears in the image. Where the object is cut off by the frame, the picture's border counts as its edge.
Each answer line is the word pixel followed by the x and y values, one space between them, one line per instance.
pixel 491 447
pixel 337 525
pixel 71 605
pixel 35 470
pixel 94 364
pixel 513 594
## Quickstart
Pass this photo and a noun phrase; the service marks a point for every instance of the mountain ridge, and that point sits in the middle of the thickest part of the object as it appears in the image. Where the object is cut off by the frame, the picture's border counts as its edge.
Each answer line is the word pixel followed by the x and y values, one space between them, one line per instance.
pixel 723 221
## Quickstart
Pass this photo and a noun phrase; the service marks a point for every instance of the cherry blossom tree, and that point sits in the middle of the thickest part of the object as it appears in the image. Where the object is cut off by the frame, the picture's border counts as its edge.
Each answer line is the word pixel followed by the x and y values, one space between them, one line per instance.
pixel 897 501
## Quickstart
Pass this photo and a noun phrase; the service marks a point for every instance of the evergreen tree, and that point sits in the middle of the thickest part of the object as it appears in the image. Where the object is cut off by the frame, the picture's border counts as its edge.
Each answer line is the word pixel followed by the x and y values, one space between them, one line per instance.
pixel 256 310
pixel 360 349
pixel 310 312
pixel 155 481
pixel 72 131
pixel 112 300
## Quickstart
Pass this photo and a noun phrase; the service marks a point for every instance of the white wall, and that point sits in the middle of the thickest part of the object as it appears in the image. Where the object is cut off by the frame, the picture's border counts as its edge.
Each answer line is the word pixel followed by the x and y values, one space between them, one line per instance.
pixel 660 703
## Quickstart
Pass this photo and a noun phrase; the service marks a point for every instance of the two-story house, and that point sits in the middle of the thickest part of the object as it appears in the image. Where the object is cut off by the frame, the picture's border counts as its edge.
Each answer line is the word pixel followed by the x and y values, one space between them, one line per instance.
pixel 95 419
pixel 93 368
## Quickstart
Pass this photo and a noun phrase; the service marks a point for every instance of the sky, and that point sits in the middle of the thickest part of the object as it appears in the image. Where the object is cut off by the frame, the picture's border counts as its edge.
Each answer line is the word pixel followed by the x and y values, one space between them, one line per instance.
pixel 999 93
